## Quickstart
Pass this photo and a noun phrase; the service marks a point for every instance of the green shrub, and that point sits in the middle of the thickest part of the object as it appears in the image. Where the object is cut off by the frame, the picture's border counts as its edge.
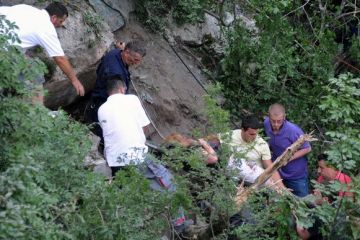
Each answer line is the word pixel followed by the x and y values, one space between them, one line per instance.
pixel 157 14
pixel 340 108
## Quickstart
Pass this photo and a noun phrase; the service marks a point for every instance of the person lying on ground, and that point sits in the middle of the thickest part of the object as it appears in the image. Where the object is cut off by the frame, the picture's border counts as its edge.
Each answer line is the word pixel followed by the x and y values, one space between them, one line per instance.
pixel 210 156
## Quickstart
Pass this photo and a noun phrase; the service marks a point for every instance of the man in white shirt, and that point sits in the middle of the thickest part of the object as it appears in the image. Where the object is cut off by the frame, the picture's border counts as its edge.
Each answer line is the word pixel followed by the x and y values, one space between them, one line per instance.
pixel 251 152
pixel 37 27
pixel 123 121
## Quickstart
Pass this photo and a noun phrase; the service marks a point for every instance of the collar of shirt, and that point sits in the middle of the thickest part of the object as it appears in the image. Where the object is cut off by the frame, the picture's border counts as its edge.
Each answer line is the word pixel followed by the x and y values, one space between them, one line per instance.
pixel 115 97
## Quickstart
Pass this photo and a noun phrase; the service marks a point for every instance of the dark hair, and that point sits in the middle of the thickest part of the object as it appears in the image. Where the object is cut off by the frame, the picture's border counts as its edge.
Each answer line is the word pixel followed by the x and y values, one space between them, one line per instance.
pixel 57 9
pixel 137 47
pixel 322 157
pixel 114 83
pixel 251 121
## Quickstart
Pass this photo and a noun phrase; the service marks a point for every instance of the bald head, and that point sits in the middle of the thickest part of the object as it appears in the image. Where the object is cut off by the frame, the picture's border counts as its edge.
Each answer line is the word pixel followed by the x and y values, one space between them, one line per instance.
pixel 277 110
pixel 276 116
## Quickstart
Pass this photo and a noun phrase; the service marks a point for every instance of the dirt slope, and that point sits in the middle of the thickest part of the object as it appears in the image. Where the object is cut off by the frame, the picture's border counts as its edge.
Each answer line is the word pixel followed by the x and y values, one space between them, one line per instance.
pixel 170 94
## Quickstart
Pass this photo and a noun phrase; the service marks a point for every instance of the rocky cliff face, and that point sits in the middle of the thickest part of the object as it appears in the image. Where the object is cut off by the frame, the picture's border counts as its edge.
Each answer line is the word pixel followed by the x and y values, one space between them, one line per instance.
pixel 84 44
pixel 169 81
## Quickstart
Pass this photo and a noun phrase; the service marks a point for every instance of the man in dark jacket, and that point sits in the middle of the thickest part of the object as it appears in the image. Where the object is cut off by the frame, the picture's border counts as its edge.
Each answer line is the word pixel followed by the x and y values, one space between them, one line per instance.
pixel 114 63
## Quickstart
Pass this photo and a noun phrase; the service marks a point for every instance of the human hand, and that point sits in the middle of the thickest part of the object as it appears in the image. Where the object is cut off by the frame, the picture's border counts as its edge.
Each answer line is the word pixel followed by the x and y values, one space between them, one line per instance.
pixel 120 45
pixel 202 141
pixel 79 88
pixel 319 199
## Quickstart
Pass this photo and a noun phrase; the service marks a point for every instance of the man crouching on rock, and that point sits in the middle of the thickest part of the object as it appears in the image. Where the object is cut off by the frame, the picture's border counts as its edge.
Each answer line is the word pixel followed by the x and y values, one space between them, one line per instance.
pixel 123 121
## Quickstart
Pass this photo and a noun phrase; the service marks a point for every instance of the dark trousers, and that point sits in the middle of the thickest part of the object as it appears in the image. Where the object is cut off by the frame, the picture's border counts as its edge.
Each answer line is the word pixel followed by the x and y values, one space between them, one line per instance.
pixel 91 116
pixel 299 186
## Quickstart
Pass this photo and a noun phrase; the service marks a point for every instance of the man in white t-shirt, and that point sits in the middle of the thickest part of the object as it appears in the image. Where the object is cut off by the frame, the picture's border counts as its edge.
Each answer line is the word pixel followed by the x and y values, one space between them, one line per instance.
pixel 251 152
pixel 123 121
pixel 37 27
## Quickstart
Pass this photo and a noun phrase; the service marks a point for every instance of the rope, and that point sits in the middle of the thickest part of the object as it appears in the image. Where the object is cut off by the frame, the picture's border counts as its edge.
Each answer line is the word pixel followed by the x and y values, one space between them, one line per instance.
pixel 182 61
pixel 146 112
pixel 137 93
pixel 197 80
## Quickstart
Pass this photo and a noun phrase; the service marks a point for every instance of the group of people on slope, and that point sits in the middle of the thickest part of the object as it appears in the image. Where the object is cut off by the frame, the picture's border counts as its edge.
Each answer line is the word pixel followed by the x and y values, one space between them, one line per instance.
pixel 123 121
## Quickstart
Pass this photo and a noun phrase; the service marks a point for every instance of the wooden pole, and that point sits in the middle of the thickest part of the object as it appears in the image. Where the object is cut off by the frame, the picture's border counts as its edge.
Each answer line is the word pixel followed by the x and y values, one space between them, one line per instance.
pixel 243 193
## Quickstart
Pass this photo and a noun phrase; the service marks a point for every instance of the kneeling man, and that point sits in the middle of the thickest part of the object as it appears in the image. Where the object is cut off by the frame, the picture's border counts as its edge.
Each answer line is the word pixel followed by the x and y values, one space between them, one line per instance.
pixel 123 121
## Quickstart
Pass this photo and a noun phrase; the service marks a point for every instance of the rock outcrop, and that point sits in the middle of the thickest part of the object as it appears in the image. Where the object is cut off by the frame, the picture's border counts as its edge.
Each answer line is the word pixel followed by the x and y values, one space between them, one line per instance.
pixel 169 82
pixel 84 45
pixel 115 12
pixel 196 34
pixel 95 160
pixel 210 30
pixel 84 40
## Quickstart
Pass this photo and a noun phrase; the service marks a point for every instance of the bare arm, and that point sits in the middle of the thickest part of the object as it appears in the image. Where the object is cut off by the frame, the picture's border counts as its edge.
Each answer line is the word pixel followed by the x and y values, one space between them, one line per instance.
pixel 301 153
pixel 66 67
pixel 209 152
pixel 276 176
pixel 146 131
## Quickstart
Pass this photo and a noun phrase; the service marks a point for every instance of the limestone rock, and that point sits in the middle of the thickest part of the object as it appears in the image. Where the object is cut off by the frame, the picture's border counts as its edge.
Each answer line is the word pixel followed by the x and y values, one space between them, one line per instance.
pixel 195 34
pixel 115 12
pixel 15 2
pixel 125 7
pixel 113 17
pixel 247 21
pixel 84 49
pixel 84 41
pixel 95 160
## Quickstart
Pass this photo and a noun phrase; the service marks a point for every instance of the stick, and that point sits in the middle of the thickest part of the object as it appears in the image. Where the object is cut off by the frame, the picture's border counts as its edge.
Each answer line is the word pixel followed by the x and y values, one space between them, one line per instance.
pixel 243 193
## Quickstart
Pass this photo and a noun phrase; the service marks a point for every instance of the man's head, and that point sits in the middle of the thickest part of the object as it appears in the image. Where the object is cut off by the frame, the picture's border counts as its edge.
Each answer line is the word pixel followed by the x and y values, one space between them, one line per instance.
pixel 328 172
pixel 133 53
pixel 115 84
pixel 249 128
pixel 58 13
pixel 276 116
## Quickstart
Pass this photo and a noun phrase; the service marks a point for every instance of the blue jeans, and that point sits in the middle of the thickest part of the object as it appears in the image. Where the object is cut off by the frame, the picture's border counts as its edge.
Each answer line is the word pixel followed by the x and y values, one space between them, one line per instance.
pixel 299 186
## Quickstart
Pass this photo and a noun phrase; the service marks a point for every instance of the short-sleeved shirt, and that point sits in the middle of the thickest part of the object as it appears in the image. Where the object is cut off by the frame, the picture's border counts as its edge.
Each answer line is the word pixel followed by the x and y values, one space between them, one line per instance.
pixel 253 152
pixel 111 64
pixel 248 156
pixel 122 119
pixel 34 28
pixel 288 134
pixel 341 177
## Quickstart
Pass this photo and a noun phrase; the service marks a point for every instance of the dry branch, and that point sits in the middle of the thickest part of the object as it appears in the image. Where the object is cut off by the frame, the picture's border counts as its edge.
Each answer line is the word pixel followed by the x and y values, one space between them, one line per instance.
pixel 243 193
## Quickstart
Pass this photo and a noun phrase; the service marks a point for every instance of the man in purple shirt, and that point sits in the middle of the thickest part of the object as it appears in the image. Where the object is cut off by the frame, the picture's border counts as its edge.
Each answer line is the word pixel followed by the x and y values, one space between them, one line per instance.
pixel 282 134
